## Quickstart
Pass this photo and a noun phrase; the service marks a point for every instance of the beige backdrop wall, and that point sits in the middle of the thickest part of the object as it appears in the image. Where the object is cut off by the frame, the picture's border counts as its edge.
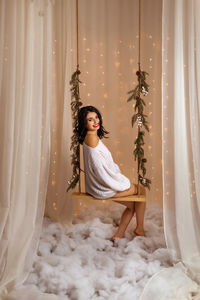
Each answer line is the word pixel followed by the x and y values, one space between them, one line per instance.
pixel 108 37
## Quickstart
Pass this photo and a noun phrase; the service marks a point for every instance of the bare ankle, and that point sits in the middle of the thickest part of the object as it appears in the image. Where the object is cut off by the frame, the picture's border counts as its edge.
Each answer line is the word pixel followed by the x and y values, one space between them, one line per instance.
pixel 139 231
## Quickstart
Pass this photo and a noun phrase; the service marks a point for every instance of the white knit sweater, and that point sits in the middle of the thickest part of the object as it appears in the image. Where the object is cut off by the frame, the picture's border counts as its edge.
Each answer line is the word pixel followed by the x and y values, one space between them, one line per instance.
pixel 102 176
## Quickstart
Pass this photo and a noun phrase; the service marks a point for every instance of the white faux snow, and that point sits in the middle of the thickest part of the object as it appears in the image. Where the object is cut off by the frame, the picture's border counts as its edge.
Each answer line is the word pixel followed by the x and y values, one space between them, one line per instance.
pixel 82 263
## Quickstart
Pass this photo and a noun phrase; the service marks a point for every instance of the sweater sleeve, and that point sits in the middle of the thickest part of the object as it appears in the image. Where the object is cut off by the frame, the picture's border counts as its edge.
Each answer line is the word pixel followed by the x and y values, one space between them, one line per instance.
pixel 107 176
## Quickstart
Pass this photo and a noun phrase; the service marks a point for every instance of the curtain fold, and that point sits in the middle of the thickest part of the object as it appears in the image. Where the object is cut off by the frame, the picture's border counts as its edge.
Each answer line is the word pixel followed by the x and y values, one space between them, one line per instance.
pixel 59 205
pixel 181 128
pixel 181 150
pixel 25 138
pixel 36 62
pixel 26 97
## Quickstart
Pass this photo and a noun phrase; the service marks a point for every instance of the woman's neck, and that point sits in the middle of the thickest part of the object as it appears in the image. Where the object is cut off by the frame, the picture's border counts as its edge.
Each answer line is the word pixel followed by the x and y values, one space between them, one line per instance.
pixel 93 133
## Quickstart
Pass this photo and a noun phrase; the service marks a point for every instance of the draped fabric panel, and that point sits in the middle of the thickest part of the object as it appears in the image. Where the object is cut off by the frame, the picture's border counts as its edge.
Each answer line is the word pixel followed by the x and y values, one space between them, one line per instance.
pixel 24 128
pixel 181 128
pixel 59 205
pixel 181 151
pixel 34 114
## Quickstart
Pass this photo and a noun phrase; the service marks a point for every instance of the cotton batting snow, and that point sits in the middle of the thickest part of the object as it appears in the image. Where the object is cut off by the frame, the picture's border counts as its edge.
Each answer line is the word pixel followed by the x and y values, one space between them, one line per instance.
pixel 82 263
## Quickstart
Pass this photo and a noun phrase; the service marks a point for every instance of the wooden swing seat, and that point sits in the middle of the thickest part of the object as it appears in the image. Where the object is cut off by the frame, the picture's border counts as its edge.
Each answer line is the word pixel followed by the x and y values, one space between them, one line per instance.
pixel 132 198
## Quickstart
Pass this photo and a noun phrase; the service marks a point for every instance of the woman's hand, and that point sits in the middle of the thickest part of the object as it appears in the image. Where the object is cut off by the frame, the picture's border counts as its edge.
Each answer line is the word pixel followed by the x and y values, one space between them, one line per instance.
pixel 133 189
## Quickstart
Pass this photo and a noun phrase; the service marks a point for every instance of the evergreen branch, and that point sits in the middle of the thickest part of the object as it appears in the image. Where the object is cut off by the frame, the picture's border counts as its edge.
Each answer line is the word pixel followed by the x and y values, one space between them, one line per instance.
pixel 75 104
pixel 142 88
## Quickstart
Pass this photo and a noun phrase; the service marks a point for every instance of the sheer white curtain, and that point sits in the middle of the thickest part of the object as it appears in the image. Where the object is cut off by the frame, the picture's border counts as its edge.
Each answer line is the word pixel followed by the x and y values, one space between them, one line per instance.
pixel 181 149
pixel 24 123
pixel 34 106
pixel 181 128
pixel 59 205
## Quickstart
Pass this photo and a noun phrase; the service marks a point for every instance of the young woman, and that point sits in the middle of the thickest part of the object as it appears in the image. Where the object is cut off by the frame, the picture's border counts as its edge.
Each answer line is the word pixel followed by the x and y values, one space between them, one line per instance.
pixel 103 178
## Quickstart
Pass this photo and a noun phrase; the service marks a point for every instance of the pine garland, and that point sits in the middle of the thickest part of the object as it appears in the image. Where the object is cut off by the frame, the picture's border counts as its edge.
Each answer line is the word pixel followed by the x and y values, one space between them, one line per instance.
pixel 75 104
pixel 142 88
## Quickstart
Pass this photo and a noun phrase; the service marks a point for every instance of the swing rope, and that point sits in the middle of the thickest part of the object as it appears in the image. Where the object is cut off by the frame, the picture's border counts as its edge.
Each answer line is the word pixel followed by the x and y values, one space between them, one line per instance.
pixel 139 33
pixel 77 36
pixel 76 103
pixel 78 73
pixel 139 117
pixel 139 68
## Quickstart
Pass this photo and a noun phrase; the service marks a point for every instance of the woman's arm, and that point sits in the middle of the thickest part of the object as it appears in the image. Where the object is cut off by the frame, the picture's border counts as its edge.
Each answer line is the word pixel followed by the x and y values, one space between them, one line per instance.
pixel 104 175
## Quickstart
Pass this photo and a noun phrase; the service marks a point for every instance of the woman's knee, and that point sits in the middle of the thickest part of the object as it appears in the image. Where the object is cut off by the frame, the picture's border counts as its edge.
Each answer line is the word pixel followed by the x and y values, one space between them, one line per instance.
pixel 129 205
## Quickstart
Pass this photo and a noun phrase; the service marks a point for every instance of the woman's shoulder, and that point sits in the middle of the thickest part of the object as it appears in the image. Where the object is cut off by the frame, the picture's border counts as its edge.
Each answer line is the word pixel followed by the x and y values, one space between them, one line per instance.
pixel 91 140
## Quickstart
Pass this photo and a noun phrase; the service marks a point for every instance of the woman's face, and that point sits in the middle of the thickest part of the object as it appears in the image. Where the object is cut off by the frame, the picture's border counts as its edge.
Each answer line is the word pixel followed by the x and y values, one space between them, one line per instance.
pixel 92 121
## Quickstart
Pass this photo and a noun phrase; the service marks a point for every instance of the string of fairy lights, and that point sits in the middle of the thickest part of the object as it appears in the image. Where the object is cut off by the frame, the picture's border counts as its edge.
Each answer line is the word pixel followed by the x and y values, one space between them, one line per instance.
pixel 97 51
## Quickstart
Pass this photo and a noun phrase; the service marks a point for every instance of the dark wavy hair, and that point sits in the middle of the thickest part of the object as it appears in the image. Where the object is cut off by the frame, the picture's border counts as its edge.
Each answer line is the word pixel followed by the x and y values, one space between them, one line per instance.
pixel 82 122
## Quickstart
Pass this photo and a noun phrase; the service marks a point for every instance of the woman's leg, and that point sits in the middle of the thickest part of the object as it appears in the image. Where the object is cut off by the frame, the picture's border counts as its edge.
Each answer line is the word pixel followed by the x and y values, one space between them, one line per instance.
pixel 125 219
pixel 138 207
pixel 140 210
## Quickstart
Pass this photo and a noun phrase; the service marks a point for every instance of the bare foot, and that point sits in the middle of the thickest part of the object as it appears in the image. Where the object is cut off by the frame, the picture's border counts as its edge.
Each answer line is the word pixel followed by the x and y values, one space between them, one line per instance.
pixel 139 232
pixel 116 236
